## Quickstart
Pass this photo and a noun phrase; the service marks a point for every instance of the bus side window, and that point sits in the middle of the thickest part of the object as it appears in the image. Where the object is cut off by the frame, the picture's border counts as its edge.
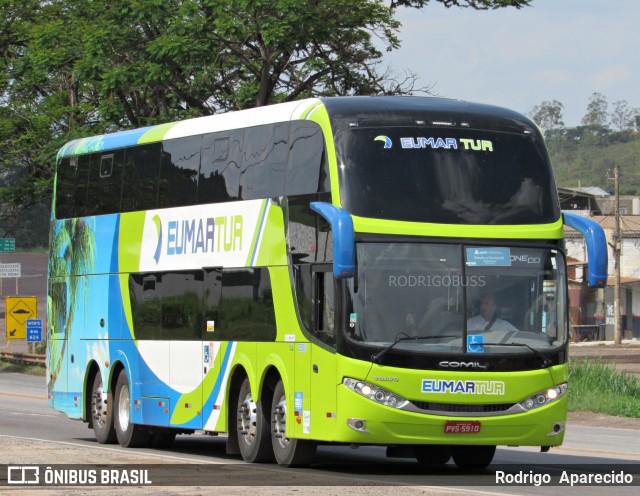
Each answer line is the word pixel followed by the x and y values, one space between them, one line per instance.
pixel 105 183
pixel 246 306
pixel 315 298
pixel 146 304
pixel 325 307
pixel 140 184
pixel 81 182
pixel 182 305
pixel 67 169
pixel 219 177
pixel 178 181
pixel 307 169
pixel 264 161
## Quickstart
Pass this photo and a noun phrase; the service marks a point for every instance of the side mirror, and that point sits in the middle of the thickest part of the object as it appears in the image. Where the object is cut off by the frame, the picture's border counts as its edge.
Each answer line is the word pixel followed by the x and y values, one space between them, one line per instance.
pixel 596 247
pixel 344 245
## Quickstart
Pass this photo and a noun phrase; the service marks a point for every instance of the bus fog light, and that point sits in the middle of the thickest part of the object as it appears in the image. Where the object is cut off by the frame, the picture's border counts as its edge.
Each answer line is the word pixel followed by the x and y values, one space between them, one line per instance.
pixel 359 425
pixel 544 398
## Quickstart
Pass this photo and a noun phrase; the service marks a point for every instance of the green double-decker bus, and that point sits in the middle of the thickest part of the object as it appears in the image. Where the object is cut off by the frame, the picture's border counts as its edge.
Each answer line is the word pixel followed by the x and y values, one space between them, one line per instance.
pixel 359 270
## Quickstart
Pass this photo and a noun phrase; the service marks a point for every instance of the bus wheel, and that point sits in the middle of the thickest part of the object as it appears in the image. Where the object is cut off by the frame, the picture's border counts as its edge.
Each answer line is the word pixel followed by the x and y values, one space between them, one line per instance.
pixel 473 456
pixel 129 435
pixel 288 452
pixel 102 413
pixel 432 454
pixel 253 428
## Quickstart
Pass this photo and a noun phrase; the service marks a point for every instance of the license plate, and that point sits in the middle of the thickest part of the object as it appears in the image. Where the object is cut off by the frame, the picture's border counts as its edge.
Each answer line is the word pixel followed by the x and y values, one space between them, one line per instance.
pixel 461 427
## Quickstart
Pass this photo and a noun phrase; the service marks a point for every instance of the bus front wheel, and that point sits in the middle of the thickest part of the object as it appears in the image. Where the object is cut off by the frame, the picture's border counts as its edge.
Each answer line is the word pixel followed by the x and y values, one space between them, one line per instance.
pixel 473 457
pixel 288 452
pixel 253 428
pixel 101 412
pixel 129 434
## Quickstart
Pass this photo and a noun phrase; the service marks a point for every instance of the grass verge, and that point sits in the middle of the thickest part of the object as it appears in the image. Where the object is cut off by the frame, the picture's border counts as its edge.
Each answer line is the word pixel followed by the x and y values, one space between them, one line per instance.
pixel 601 388
pixel 22 368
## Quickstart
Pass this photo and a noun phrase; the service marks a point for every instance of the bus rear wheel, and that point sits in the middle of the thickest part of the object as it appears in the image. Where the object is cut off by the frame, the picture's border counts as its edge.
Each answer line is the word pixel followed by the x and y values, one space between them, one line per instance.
pixel 253 428
pixel 101 412
pixel 432 454
pixel 129 434
pixel 288 452
pixel 474 457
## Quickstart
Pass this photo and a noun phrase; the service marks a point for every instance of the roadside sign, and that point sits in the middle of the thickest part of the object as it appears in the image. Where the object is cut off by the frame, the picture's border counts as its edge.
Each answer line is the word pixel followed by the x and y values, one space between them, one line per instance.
pixel 7 245
pixel 34 330
pixel 19 309
pixel 10 270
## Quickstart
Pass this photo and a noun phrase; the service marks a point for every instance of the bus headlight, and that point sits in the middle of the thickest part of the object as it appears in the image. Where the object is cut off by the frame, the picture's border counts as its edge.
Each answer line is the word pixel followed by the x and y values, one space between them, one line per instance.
pixel 375 393
pixel 544 397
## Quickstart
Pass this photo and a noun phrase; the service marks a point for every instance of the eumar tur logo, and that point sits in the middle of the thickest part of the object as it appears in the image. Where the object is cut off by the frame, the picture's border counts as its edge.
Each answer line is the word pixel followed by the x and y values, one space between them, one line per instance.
pixel 385 139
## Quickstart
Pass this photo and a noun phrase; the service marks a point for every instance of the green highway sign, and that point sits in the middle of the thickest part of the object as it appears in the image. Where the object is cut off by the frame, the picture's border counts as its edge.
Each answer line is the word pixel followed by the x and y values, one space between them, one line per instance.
pixel 7 245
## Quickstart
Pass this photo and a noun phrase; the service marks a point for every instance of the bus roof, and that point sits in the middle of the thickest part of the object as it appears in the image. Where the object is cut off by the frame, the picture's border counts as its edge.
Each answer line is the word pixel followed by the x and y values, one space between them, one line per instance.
pixel 343 112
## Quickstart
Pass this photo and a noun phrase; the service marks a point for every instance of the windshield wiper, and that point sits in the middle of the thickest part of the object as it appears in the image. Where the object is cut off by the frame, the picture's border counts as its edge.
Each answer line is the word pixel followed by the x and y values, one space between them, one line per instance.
pixel 403 337
pixel 546 362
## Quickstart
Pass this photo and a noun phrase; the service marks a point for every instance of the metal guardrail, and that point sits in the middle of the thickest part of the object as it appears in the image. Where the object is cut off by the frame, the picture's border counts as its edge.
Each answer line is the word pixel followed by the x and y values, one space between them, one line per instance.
pixel 23 358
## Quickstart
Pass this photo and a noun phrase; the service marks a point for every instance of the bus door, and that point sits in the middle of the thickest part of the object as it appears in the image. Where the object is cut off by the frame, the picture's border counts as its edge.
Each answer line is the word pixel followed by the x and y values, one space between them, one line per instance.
pixel 213 386
pixel 323 356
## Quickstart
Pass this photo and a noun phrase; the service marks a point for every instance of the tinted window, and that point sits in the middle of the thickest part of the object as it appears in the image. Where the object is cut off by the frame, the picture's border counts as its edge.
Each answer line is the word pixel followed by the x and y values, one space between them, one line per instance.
pixel 146 305
pixel 264 161
pixel 140 187
pixel 182 305
pixel 105 183
pixel 80 184
pixel 220 167
pixel 66 179
pixel 246 306
pixel 446 176
pixel 307 167
pixel 179 171
pixel 167 305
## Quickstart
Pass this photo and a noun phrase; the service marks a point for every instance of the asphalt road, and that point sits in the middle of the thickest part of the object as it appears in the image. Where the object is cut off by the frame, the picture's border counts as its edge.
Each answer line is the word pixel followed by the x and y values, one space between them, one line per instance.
pixel 31 433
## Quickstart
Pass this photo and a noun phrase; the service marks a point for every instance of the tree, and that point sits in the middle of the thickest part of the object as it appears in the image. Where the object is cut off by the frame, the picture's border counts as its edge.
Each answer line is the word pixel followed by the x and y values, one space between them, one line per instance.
pixel 597 111
pixel 548 115
pixel 622 116
pixel 74 68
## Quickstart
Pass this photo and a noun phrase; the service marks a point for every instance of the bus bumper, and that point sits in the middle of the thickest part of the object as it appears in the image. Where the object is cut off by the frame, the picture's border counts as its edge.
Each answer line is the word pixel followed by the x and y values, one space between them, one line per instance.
pixel 543 426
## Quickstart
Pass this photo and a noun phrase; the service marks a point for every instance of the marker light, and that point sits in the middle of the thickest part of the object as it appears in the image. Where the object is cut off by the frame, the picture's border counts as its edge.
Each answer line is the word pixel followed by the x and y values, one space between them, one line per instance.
pixel 544 397
pixel 375 393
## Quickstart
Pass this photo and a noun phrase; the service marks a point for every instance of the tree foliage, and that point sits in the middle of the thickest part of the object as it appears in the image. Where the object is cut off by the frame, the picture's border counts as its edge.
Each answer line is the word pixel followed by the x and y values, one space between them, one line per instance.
pixel 548 115
pixel 72 68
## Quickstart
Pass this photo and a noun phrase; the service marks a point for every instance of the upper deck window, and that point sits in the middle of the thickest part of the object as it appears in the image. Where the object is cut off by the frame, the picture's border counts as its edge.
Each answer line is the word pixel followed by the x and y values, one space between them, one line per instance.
pixel 450 176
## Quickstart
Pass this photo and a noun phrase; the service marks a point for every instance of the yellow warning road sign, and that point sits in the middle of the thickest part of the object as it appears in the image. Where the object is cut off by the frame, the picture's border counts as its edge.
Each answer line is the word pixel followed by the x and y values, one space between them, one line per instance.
pixel 17 310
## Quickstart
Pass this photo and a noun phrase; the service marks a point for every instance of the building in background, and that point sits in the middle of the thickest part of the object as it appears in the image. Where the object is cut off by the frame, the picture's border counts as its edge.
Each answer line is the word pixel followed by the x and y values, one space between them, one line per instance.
pixel 594 307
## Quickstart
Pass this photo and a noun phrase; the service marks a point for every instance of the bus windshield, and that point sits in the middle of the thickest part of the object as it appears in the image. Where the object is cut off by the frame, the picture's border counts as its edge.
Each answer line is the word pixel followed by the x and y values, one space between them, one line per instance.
pixel 454 176
pixel 502 297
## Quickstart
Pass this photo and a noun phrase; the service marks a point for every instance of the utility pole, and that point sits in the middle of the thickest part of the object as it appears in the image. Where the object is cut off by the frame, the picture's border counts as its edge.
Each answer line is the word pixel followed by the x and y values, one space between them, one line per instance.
pixel 617 321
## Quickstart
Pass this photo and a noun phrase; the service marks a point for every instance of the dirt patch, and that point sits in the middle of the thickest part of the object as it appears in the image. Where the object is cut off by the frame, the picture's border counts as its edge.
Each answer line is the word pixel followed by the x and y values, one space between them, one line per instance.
pixel 600 420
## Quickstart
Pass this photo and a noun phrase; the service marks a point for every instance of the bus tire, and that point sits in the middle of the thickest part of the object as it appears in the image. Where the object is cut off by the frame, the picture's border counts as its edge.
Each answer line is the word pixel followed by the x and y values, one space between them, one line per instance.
pixel 129 435
pixel 473 457
pixel 101 412
pixel 252 427
pixel 288 452
pixel 432 454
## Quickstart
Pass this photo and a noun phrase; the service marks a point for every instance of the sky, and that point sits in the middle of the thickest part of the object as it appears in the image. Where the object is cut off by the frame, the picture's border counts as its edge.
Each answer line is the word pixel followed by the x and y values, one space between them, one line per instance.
pixel 561 50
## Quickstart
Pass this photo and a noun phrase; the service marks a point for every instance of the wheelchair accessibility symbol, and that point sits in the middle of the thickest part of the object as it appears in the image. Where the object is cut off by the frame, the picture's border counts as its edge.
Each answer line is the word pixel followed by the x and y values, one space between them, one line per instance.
pixel 475 343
